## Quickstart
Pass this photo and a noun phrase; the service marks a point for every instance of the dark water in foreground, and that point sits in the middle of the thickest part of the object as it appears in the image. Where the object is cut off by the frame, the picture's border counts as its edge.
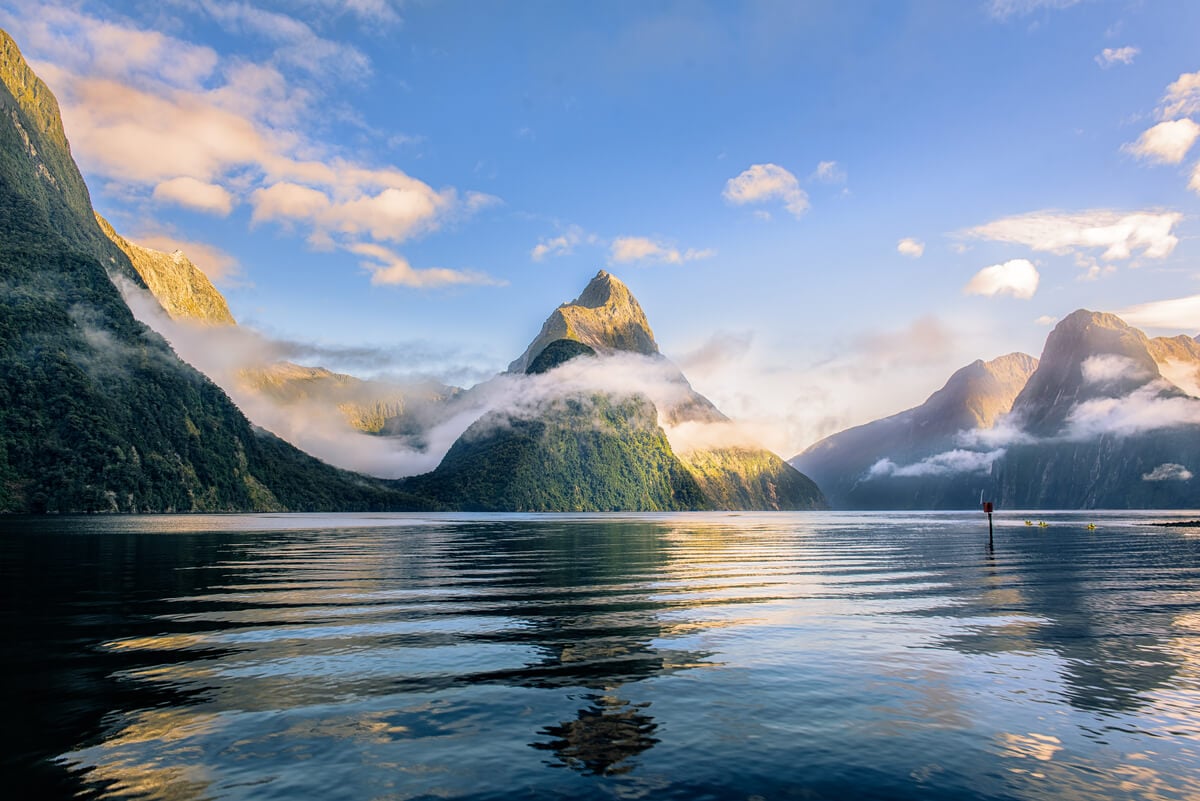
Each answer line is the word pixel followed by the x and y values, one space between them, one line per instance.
pixel 692 656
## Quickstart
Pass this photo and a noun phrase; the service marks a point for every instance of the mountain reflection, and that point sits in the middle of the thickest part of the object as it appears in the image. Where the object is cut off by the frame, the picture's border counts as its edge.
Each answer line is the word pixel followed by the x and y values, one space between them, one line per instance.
pixel 1109 660
pixel 603 737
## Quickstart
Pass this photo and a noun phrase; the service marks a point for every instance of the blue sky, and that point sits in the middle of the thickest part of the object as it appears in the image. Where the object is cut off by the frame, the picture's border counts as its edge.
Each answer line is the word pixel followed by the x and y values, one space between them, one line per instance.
pixel 824 208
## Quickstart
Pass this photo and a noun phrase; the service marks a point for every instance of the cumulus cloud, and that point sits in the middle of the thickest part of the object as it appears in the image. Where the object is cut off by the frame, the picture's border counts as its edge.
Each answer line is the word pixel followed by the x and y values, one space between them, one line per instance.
pixel 1116 55
pixel 1017 277
pixel 1168 471
pixel 1046 319
pixel 1165 143
pixel 155 114
pixel 941 464
pixel 1119 234
pixel 914 248
pixel 761 183
pixel 390 268
pixel 626 249
pixel 193 194
pixel 1175 314
pixel 562 245
pixel 1182 97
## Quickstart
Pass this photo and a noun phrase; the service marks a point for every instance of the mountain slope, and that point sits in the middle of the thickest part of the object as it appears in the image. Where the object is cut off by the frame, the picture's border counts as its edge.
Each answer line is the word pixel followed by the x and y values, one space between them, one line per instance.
pixel 182 289
pixel 975 397
pixel 564 447
pixel 581 453
pixel 1109 431
pixel 96 411
pixel 1096 425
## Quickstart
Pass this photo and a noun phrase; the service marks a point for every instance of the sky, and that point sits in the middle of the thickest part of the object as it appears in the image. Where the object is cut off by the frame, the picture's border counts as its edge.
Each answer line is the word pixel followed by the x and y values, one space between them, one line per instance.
pixel 825 208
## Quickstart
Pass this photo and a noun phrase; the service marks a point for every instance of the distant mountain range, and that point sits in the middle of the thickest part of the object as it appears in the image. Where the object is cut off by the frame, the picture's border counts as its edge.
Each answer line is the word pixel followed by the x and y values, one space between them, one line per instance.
pixel 97 413
pixel 1107 418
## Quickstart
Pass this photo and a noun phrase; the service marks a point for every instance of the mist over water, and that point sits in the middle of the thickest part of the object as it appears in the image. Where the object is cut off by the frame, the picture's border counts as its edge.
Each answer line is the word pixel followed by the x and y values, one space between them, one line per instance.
pixel 597 656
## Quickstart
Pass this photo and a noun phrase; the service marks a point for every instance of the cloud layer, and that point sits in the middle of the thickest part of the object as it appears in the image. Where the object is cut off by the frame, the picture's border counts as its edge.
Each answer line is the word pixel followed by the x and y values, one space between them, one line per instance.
pixel 174 122
pixel 1119 235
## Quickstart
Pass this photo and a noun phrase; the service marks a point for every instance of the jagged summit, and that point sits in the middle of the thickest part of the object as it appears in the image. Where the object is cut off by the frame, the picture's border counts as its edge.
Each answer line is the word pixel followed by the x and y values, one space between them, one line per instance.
pixel 606 317
pixel 180 287
pixel 1062 379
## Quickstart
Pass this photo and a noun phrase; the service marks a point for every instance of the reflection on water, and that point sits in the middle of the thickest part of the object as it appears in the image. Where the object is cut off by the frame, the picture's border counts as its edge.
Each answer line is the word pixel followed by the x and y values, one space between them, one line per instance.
pixel 603 737
pixel 687 656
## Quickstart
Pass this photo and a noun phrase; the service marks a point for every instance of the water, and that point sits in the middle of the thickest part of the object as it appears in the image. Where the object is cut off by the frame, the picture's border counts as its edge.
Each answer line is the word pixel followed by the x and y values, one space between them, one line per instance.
pixel 812 656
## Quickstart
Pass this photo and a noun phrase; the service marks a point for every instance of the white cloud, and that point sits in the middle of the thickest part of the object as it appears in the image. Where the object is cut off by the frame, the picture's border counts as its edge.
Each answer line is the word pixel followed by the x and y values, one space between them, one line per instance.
pixel 1046 319
pixel 1194 183
pixel 830 172
pixel 941 464
pixel 1144 409
pixel 1165 143
pixel 1110 368
pixel 638 248
pixel 1168 471
pixel 1017 277
pixel 562 245
pixel 161 117
pixel 764 182
pixel 392 269
pixel 910 247
pixel 1003 9
pixel 296 44
pixel 1116 55
pixel 1182 97
pixel 1175 314
pixel 193 194
pixel 1118 233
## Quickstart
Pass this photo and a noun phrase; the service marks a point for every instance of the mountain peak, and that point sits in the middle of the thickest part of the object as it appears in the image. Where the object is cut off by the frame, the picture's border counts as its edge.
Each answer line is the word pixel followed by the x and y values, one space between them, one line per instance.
pixel 180 287
pixel 1062 378
pixel 606 317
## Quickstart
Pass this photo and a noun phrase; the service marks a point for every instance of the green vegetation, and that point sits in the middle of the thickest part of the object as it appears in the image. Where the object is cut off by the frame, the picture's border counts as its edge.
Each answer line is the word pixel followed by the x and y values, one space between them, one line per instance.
pixel 556 353
pixel 751 478
pixel 96 412
pixel 583 453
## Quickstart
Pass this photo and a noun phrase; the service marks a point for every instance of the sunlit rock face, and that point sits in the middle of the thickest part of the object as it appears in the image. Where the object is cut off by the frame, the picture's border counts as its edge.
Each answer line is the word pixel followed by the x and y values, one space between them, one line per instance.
pixel 182 289
pixel 606 317
pixel 599 419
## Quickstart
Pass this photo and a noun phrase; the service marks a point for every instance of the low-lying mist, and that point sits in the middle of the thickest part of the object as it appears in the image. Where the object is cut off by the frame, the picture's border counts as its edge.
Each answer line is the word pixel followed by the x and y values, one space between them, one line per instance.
pixel 313 421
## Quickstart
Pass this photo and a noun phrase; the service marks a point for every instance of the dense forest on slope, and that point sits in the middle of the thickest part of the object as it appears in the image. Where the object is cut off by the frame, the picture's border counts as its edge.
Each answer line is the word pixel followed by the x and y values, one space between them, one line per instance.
pixel 96 412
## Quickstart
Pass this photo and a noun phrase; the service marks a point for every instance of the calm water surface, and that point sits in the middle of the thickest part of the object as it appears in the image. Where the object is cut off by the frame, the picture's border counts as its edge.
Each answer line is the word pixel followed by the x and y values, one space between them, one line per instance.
pixel 813 656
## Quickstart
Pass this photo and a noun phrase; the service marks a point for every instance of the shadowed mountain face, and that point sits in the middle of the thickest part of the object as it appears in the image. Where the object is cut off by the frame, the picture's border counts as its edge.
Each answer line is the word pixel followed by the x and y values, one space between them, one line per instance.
pixel 605 447
pixel 96 411
pixel 1102 427
pixel 975 397
pixel 1096 425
